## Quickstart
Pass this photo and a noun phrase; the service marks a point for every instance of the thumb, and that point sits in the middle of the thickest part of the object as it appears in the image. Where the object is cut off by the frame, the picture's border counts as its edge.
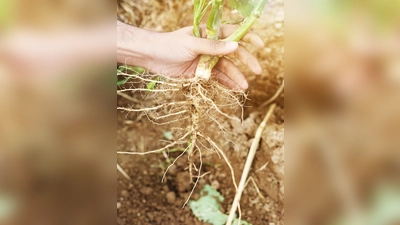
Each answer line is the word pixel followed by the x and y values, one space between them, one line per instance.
pixel 214 47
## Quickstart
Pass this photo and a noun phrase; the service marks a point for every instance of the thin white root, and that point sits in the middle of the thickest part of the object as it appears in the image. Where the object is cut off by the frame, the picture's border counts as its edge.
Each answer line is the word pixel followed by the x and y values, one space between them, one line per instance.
pixel 255 186
pixel 262 167
pixel 148 90
pixel 249 161
pixel 148 80
pixel 119 168
pixel 277 93
pixel 197 180
pixel 128 97
pixel 157 150
pixel 153 120
pixel 215 106
pixel 171 114
pixel 223 156
pixel 152 108
pixel 173 163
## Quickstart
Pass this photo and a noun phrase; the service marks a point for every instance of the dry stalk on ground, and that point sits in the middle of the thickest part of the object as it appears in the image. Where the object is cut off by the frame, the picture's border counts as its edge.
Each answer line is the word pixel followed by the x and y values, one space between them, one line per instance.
pixel 246 169
pixel 192 102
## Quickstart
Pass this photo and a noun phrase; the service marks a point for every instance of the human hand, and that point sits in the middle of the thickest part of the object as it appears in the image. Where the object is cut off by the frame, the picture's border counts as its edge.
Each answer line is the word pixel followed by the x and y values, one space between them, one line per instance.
pixel 177 53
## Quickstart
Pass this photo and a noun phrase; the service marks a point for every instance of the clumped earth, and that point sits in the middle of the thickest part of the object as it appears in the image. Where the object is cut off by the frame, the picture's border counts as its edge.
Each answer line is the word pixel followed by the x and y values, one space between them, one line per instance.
pixel 145 199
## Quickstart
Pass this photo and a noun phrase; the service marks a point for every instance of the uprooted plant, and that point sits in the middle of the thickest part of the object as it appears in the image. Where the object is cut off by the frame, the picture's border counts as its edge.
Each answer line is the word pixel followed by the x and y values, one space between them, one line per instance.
pixel 196 102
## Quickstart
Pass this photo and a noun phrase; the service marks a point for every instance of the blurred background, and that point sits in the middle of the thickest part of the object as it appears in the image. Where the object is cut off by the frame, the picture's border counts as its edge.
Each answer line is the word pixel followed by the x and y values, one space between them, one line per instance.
pixel 57 112
pixel 342 72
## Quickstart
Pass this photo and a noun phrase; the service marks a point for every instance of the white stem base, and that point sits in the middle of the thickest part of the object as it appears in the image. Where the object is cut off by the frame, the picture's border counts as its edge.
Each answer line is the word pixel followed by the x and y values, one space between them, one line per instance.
pixel 203 73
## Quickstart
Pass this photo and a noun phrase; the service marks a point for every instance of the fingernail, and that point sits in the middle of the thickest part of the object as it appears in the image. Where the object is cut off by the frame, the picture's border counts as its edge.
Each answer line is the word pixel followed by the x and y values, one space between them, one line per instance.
pixel 258 69
pixel 244 85
pixel 260 43
pixel 255 67
pixel 231 45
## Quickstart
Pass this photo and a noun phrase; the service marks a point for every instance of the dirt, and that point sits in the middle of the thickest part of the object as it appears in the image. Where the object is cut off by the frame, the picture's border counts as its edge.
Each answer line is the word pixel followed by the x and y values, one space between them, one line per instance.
pixel 145 199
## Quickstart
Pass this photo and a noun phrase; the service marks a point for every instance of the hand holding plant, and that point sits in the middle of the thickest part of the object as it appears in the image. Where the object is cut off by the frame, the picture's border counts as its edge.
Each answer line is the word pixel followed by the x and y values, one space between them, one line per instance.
pixel 178 53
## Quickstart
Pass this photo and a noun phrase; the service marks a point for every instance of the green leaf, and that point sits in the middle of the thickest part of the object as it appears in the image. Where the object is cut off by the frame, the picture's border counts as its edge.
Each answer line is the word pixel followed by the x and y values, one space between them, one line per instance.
pixel 207 208
pixel 168 135
pixel 135 69
pixel 151 85
pixel 245 7
pixel 121 82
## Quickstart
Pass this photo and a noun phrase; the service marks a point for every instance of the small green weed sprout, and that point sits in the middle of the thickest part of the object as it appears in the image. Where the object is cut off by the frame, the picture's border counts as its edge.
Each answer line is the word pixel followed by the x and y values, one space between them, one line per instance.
pixel 207 207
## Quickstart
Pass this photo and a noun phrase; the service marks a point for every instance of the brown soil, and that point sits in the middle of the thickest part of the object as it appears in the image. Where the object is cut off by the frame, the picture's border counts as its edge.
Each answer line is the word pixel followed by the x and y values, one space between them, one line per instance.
pixel 146 200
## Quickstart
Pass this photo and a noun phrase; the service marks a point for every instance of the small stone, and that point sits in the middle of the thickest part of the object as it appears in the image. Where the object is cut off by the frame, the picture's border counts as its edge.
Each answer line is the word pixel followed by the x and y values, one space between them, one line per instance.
pixel 215 184
pixel 202 182
pixel 146 190
pixel 150 216
pixel 171 197
pixel 124 193
pixel 267 207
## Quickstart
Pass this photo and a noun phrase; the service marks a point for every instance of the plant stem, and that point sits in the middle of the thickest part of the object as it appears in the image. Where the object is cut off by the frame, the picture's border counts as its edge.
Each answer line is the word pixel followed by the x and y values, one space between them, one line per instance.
pixel 214 20
pixel 212 31
pixel 197 5
pixel 200 9
pixel 207 62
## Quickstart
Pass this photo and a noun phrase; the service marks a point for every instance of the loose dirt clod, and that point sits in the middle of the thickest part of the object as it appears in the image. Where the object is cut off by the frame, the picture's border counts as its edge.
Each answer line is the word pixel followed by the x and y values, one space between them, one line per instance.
pixel 171 197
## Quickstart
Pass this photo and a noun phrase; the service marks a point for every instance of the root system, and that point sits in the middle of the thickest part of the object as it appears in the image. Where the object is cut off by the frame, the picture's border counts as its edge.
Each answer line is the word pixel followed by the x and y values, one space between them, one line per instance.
pixel 194 102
